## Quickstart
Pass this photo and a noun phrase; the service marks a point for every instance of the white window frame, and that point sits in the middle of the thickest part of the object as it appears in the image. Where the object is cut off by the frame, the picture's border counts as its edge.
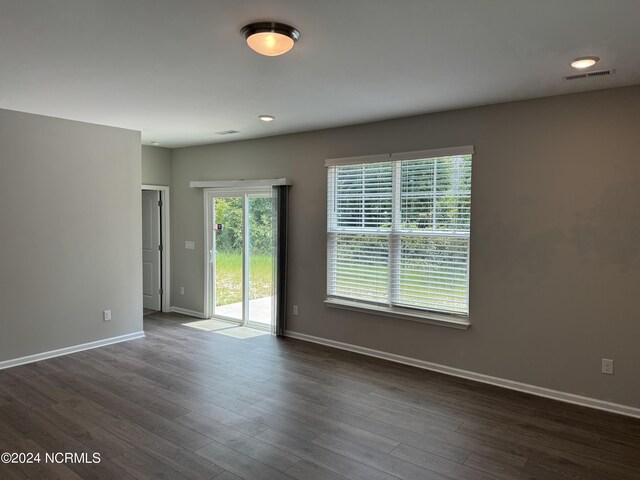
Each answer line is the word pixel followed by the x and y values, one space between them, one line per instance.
pixel 459 321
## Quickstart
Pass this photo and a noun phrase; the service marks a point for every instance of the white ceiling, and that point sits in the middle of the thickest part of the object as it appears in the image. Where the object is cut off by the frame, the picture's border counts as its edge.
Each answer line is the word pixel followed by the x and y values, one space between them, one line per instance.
pixel 178 70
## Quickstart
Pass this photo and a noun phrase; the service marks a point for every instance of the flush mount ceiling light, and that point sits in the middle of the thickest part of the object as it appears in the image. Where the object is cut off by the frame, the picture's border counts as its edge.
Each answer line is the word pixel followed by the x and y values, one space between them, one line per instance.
pixel 154 143
pixel 270 38
pixel 266 118
pixel 584 62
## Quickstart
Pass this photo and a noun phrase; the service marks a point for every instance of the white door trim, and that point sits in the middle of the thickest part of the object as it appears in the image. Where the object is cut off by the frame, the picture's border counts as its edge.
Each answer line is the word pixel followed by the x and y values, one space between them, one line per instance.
pixel 209 277
pixel 165 235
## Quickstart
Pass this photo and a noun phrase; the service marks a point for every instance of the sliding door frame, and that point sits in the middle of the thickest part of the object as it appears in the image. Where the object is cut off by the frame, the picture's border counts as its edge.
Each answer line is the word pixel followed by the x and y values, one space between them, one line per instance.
pixel 210 194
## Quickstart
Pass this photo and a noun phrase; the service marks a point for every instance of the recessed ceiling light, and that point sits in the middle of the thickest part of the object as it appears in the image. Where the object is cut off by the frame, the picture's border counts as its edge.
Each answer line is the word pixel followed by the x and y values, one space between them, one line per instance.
pixel 584 62
pixel 270 38
pixel 154 143
pixel 266 118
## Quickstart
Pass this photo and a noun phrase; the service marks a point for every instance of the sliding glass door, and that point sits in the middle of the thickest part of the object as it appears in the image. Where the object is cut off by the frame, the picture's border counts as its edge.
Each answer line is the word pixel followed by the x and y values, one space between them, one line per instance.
pixel 228 236
pixel 241 256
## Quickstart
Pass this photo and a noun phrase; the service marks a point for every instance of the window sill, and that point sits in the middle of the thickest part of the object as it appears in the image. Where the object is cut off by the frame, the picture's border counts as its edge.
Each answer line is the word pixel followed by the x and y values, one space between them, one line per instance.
pixel 431 318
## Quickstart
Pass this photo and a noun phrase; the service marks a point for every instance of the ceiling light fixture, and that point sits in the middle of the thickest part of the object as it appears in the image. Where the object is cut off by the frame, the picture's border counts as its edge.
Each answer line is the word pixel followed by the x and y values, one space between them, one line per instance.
pixel 154 143
pixel 584 62
pixel 270 38
pixel 266 118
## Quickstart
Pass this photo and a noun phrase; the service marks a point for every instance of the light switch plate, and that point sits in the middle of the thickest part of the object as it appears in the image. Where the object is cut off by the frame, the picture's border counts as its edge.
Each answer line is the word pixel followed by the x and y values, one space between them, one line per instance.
pixel 106 315
pixel 607 366
pixel 190 245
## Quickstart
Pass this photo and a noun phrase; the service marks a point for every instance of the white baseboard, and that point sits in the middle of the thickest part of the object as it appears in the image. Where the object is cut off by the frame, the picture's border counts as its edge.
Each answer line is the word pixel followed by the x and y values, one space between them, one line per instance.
pixel 478 377
pixel 67 350
pixel 184 311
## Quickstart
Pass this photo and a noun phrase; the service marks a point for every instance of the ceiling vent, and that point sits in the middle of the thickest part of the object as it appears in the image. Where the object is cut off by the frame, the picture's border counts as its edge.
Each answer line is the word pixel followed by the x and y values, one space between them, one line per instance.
pixel 227 132
pixel 598 73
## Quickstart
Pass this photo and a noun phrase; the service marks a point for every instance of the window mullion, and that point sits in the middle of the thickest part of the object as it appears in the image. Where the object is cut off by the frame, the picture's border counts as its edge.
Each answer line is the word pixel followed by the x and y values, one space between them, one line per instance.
pixel 395 246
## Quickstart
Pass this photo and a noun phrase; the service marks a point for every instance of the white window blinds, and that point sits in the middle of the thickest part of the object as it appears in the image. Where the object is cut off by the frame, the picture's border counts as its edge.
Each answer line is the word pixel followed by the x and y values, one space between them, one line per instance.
pixel 398 230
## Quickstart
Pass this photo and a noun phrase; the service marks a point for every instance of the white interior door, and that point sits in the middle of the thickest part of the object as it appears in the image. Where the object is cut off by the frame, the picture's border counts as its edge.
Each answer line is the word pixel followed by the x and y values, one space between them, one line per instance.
pixel 151 249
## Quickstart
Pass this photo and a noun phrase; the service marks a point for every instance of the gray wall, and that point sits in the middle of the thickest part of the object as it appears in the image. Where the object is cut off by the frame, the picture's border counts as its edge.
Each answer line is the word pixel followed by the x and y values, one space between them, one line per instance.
pixel 70 233
pixel 555 249
pixel 156 165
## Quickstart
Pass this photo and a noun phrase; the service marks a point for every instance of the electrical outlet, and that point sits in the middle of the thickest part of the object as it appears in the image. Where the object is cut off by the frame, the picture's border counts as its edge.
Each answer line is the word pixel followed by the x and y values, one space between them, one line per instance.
pixel 295 309
pixel 181 290
pixel 106 315
pixel 607 366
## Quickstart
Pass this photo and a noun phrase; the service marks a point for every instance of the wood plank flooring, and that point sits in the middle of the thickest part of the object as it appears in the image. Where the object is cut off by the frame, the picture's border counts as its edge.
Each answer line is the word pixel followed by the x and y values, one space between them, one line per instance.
pixel 188 404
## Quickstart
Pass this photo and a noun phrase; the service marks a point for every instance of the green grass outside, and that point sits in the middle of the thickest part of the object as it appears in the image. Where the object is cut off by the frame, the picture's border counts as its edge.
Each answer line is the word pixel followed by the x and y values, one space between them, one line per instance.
pixel 229 277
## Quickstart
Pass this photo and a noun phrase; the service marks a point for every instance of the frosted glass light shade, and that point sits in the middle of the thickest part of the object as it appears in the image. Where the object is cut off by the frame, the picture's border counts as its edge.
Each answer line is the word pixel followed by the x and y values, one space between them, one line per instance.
pixel 584 62
pixel 270 38
pixel 270 44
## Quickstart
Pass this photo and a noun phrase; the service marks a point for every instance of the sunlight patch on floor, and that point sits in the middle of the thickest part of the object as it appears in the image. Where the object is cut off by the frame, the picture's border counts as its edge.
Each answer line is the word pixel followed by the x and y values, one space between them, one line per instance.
pixel 242 332
pixel 225 328
pixel 210 325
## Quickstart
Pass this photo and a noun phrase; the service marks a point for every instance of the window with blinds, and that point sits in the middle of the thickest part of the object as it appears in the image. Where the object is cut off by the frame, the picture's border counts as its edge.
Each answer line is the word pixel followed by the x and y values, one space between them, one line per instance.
pixel 398 230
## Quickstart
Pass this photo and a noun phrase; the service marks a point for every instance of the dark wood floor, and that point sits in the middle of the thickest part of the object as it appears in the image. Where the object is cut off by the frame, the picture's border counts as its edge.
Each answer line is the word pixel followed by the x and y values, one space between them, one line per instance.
pixel 185 403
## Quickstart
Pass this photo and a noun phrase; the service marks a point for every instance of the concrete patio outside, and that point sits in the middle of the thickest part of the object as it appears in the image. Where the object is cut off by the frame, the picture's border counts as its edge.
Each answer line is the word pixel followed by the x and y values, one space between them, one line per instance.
pixel 259 311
